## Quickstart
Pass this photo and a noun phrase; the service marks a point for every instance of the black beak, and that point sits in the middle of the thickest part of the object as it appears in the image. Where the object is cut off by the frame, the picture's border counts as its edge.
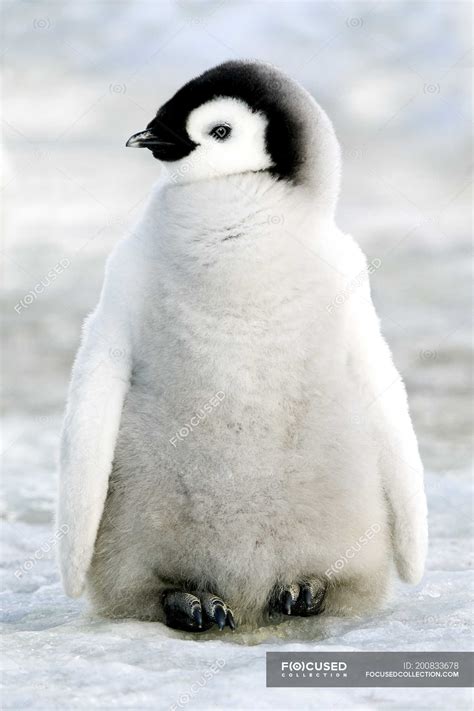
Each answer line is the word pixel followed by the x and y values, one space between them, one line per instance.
pixel 146 139
pixel 165 145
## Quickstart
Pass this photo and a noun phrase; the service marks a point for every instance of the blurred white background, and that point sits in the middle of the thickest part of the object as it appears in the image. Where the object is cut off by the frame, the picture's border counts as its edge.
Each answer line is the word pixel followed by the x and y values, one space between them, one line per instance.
pixel 79 79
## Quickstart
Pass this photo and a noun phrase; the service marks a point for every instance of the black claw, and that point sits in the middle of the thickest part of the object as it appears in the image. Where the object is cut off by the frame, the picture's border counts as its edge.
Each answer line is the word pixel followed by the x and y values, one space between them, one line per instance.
pixel 197 615
pixel 183 611
pixel 300 599
pixel 312 598
pixel 219 616
pixel 307 596
pixel 230 619
pixel 195 612
pixel 288 602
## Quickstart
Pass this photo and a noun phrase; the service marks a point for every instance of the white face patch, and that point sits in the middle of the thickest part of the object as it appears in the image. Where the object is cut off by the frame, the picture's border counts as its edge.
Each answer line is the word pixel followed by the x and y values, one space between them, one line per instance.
pixel 230 139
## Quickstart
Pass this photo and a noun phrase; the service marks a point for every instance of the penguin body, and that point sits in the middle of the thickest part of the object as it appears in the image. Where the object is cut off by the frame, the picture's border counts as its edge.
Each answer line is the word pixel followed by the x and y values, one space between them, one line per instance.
pixel 234 429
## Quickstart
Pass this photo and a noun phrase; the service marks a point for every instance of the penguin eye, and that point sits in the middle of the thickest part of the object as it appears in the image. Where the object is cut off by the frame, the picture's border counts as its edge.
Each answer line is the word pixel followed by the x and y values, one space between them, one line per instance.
pixel 220 132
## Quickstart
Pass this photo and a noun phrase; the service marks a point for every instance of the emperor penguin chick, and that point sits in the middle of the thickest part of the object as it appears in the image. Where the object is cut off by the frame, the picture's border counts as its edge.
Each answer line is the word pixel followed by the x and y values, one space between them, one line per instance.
pixel 237 441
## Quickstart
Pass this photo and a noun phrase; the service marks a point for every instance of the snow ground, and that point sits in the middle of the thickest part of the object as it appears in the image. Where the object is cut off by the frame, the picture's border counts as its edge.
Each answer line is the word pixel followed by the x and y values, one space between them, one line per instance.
pixel 395 86
pixel 57 655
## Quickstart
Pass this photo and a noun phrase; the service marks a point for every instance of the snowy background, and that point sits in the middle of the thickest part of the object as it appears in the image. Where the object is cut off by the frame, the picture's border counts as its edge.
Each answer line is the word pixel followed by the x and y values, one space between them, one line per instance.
pixel 79 79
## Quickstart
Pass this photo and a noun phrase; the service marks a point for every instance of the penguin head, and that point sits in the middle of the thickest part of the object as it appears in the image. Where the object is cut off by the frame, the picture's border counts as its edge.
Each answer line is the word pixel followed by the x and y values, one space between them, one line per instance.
pixel 241 117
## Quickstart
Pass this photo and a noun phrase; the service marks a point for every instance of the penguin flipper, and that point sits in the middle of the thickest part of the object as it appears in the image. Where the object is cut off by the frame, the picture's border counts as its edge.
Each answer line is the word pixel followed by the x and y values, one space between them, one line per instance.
pixel 100 380
pixel 395 440
pixel 404 489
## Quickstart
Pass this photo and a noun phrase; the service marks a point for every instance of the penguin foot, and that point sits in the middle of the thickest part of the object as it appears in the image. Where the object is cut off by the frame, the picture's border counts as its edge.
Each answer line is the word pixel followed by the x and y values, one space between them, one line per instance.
pixel 301 599
pixel 196 612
